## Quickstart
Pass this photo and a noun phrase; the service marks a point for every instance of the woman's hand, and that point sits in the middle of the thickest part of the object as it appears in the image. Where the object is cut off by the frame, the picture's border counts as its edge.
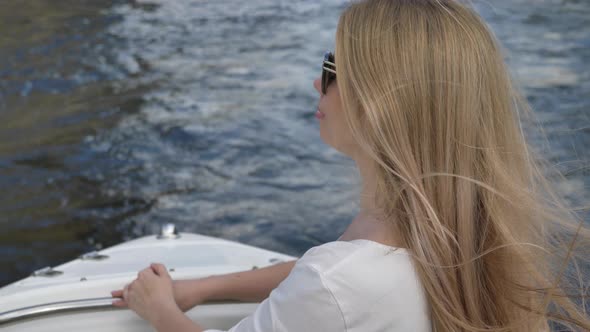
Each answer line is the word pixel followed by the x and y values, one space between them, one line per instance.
pixel 150 295
pixel 187 294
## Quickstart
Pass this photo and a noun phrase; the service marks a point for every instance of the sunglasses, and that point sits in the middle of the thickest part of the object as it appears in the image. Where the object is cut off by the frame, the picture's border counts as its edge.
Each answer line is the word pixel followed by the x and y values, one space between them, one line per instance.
pixel 328 71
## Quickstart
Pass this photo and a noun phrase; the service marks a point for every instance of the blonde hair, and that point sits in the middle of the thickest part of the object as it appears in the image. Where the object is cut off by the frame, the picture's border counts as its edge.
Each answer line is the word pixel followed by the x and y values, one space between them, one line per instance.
pixel 428 97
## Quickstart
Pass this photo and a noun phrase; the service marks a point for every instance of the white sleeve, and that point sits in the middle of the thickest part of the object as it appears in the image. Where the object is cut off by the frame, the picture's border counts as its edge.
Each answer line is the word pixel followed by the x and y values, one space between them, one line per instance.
pixel 300 303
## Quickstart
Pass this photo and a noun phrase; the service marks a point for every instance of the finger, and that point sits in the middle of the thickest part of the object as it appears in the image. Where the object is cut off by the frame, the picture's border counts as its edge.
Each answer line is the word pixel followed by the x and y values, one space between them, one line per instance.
pixel 119 303
pixel 160 270
pixel 126 292
pixel 117 293
pixel 144 271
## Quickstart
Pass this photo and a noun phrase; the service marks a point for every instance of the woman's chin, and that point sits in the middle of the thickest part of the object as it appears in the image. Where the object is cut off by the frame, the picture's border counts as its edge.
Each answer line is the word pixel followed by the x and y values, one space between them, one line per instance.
pixel 325 139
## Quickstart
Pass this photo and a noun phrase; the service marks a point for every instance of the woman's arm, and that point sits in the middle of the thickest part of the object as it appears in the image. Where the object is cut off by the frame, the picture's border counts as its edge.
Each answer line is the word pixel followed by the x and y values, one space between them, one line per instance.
pixel 159 300
pixel 246 286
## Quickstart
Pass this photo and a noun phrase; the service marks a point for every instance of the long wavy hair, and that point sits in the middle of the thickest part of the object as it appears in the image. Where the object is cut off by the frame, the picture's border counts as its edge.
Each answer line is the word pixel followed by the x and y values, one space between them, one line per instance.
pixel 427 95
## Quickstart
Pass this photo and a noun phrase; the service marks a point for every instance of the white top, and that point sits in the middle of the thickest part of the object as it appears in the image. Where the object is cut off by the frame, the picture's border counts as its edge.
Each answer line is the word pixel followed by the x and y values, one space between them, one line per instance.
pixel 354 286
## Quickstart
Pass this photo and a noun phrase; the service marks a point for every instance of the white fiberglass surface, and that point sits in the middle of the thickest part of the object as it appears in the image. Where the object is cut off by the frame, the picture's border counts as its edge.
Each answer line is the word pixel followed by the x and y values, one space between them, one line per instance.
pixel 219 316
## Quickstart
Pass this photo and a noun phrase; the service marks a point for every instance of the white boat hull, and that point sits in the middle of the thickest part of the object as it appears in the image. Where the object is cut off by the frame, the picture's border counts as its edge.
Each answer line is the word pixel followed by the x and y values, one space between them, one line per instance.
pixel 77 295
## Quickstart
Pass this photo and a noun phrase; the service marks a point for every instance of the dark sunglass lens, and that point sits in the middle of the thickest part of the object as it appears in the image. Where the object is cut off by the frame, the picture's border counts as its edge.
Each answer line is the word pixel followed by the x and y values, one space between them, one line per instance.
pixel 324 81
pixel 327 77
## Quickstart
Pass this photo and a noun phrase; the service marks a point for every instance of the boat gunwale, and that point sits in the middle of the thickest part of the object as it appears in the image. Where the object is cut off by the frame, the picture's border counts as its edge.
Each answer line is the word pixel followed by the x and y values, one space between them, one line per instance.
pixel 46 309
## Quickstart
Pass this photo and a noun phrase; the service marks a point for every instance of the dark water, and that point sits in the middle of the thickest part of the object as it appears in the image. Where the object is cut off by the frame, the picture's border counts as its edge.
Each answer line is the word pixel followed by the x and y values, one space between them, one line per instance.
pixel 118 116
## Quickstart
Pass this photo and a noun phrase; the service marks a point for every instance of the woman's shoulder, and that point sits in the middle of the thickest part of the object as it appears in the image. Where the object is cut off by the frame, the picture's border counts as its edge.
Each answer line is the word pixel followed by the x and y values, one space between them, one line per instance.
pixel 330 257
pixel 367 278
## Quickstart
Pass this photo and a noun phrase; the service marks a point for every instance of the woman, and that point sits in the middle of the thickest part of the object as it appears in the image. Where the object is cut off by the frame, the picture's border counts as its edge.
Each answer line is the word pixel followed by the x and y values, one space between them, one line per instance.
pixel 458 229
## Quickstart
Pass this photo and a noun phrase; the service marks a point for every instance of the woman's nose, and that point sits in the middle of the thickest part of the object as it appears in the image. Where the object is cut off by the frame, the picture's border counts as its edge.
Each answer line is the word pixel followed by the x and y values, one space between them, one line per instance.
pixel 316 85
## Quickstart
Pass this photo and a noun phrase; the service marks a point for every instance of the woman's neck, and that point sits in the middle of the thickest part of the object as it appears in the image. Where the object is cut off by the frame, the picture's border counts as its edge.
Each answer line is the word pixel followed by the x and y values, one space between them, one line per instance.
pixel 371 227
pixel 370 223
